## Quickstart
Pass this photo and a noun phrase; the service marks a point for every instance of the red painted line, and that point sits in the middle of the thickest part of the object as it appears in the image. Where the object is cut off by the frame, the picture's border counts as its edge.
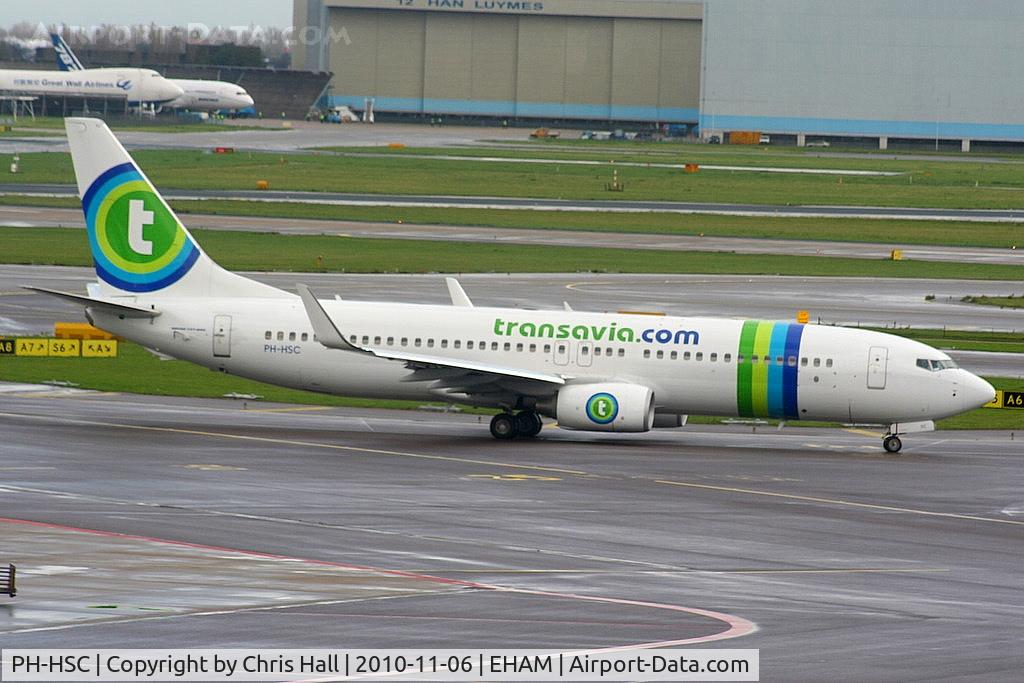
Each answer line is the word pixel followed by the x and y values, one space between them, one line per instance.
pixel 738 626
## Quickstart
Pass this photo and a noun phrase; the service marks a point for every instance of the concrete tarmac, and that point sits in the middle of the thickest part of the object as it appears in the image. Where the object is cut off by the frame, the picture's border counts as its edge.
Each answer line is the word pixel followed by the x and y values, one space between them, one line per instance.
pixel 24 216
pixel 848 301
pixel 156 522
pixel 271 136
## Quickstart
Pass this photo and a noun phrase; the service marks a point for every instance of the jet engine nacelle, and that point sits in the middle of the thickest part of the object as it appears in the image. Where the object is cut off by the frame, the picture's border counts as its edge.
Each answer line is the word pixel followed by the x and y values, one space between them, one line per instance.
pixel 616 407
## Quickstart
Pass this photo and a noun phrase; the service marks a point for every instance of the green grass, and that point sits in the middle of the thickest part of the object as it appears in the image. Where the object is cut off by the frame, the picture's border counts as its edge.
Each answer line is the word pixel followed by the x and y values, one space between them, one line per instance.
pixel 881 231
pixel 990 418
pixel 926 183
pixel 326 253
pixel 28 133
pixel 963 340
pixel 137 371
pixel 1000 301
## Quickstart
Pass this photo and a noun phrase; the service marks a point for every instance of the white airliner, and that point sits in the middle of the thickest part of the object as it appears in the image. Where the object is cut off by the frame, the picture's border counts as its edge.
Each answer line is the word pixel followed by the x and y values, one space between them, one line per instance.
pixel 139 86
pixel 197 95
pixel 589 371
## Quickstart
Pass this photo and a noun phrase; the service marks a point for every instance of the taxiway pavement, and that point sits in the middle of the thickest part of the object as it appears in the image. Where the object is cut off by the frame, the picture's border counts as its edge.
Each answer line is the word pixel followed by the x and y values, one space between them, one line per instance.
pixel 848 301
pixel 158 522
pixel 575 205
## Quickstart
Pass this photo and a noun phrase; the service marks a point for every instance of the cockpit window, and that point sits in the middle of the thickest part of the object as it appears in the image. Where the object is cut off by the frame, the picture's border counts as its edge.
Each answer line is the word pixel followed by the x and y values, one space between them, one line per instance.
pixel 936 365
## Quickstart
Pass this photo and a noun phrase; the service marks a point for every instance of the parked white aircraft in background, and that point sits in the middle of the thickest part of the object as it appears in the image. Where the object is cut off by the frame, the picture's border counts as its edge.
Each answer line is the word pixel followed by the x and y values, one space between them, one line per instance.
pixel 197 94
pixel 590 371
pixel 141 87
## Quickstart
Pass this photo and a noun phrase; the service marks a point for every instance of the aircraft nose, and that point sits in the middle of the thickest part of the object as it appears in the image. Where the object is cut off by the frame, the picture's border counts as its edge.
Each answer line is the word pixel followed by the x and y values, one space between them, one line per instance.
pixel 172 91
pixel 976 392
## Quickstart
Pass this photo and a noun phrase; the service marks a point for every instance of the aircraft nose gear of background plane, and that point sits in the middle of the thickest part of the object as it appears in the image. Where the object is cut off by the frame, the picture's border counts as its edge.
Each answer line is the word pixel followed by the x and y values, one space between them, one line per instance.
pixel 526 423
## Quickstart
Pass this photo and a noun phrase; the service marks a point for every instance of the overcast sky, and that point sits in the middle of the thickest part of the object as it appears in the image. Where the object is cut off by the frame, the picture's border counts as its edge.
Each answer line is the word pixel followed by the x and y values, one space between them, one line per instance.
pixel 163 12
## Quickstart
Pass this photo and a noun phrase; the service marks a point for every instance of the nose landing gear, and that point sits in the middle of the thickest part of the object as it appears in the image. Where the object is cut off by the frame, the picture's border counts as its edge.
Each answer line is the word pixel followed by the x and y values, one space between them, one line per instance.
pixel 526 424
pixel 892 443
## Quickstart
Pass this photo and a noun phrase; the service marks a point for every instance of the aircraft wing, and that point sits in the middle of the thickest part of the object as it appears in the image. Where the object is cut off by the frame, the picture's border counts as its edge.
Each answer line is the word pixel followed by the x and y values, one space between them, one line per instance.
pixel 127 310
pixel 449 375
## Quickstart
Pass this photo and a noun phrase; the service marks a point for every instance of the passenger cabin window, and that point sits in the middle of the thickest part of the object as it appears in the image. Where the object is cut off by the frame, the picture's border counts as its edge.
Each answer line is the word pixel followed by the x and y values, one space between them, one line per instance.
pixel 791 361
pixel 391 341
pixel 444 343
pixel 430 343
pixel 547 348
pixel 519 348
pixel 647 353
pixel 280 336
pixel 674 355
pixel 305 336
pixel 376 341
pixel 533 348
pixel 268 335
pixel 405 341
pixel 699 356
pixel 714 358
pixel 828 363
pixel 817 362
pixel 727 358
pixel 469 345
pixel 661 354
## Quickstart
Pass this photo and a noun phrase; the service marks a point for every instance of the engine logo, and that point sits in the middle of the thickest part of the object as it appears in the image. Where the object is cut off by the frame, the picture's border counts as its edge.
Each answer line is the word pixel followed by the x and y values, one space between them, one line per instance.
pixel 602 408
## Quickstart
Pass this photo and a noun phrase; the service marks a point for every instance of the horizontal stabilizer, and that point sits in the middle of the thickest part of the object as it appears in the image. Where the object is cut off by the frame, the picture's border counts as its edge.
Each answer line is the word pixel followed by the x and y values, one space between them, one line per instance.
pixel 127 310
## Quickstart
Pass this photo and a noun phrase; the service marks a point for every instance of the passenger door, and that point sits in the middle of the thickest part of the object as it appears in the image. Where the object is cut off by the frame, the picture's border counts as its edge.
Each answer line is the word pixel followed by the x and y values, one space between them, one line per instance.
pixel 878 360
pixel 222 336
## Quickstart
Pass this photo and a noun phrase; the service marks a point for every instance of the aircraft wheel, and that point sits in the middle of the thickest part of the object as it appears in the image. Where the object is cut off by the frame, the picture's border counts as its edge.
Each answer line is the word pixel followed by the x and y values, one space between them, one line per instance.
pixel 503 426
pixel 528 423
pixel 892 444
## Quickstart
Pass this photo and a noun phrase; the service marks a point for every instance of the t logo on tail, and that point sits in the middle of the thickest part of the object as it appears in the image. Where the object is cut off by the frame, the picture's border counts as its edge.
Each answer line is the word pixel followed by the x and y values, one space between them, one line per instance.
pixel 139 218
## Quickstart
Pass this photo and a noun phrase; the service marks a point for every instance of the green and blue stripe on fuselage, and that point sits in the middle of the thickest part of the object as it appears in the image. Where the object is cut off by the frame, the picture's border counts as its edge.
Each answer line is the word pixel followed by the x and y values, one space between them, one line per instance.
pixel 768 387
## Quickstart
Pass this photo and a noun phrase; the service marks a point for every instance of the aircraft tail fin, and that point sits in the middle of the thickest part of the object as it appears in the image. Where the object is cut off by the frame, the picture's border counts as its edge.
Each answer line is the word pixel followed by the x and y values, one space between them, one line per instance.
pixel 138 244
pixel 66 59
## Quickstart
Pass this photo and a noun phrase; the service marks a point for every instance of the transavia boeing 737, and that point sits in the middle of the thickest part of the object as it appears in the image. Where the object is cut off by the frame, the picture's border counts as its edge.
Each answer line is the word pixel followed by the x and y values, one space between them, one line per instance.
pixel 589 371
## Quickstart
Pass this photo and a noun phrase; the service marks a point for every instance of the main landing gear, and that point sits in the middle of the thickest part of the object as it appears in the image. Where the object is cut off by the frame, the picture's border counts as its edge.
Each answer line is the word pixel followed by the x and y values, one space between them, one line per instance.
pixel 526 424
pixel 892 443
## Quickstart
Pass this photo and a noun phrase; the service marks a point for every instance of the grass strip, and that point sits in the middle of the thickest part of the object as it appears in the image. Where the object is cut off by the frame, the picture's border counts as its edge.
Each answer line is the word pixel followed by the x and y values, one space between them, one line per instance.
pixel 931 183
pixel 1000 301
pixel 880 231
pixel 237 250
